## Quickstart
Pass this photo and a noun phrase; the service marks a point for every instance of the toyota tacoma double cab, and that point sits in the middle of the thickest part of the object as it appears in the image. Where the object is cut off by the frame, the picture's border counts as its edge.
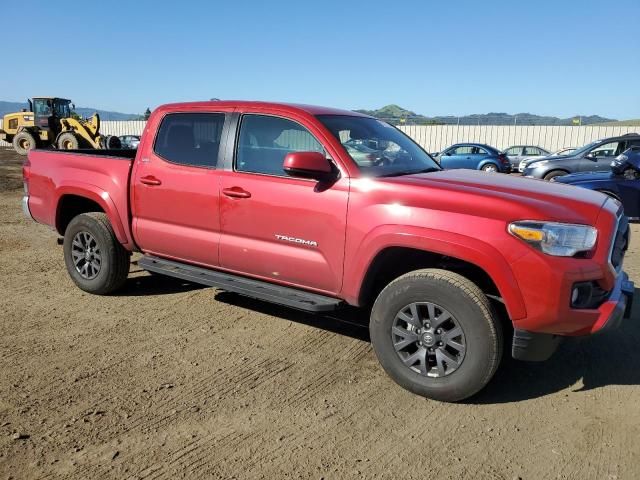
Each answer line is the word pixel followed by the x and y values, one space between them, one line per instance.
pixel 316 208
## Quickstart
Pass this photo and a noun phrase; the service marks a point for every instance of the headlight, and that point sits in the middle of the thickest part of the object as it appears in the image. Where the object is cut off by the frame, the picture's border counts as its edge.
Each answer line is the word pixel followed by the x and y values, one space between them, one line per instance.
pixel 558 239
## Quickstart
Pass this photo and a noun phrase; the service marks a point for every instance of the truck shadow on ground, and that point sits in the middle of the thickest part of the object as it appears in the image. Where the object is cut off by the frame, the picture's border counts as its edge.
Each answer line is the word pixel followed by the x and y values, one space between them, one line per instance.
pixel 149 285
pixel 612 358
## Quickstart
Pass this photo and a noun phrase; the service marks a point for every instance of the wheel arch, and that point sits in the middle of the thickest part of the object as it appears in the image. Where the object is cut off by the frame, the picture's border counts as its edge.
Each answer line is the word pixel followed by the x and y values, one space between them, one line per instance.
pixel 392 255
pixel 72 201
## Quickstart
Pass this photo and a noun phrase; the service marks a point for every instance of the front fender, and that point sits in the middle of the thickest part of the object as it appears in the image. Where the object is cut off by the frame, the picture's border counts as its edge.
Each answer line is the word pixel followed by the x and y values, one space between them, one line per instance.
pixel 117 219
pixel 462 247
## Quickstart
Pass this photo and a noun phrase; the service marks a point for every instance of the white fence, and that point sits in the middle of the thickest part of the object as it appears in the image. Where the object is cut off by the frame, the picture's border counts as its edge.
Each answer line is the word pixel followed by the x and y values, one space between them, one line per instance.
pixel 435 138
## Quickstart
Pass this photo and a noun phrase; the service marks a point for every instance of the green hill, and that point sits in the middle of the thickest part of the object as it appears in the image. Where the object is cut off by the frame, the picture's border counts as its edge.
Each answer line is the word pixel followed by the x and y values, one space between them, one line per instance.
pixel 400 116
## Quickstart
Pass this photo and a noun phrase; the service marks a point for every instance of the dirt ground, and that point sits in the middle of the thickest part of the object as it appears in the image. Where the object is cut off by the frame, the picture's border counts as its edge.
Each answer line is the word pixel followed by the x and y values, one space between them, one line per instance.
pixel 170 380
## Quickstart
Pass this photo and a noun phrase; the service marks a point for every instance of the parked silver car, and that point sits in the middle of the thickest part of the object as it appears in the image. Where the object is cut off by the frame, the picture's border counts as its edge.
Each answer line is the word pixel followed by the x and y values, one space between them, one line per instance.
pixel 563 151
pixel 518 153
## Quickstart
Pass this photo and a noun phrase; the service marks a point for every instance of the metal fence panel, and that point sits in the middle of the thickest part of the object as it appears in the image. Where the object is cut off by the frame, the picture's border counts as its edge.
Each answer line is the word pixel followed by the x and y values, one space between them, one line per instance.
pixel 435 138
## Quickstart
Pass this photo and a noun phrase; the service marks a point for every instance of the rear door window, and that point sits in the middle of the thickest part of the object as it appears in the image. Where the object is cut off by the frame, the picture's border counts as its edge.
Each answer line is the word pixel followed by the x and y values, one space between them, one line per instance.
pixel 190 138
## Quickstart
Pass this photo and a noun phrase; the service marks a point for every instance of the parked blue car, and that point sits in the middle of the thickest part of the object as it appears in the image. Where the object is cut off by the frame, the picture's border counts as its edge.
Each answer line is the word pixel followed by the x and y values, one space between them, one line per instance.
pixel 476 156
pixel 621 183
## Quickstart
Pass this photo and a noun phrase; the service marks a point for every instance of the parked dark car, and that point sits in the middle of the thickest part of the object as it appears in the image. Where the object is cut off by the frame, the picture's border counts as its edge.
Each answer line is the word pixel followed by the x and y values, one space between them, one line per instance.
pixel 594 157
pixel 130 142
pixel 475 156
pixel 519 153
pixel 621 183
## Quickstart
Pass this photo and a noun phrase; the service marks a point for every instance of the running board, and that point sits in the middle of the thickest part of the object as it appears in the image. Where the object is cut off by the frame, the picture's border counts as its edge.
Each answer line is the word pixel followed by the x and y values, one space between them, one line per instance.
pixel 291 297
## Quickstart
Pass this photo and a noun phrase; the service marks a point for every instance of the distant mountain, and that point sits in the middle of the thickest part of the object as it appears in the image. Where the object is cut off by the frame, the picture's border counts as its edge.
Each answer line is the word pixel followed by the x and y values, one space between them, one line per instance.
pixel 623 123
pixel 10 107
pixel 398 115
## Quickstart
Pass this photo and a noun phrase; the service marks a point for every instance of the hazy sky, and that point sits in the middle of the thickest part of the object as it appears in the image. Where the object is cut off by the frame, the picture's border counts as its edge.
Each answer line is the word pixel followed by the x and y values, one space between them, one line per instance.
pixel 557 57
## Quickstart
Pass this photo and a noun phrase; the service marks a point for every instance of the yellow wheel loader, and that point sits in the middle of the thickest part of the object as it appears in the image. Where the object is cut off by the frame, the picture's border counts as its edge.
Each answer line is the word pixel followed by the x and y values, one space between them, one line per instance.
pixel 49 123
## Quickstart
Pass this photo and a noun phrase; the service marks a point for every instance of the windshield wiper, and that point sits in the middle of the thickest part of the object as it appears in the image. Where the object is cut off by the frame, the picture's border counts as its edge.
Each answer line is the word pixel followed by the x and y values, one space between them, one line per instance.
pixel 410 172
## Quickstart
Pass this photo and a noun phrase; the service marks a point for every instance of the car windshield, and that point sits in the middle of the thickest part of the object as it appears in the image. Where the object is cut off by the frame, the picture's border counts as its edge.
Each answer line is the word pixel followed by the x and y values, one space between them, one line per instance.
pixel 379 149
pixel 585 149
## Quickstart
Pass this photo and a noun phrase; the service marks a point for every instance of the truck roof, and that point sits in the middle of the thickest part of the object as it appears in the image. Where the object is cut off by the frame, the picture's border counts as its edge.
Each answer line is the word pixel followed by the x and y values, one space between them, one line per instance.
pixel 244 104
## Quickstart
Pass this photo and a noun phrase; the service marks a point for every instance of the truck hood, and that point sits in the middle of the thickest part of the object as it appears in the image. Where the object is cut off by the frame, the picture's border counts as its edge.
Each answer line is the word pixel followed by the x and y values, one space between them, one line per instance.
pixel 495 195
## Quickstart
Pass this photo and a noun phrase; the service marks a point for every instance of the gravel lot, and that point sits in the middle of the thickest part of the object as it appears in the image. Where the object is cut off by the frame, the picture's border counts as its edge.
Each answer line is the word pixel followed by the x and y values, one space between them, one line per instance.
pixel 170 380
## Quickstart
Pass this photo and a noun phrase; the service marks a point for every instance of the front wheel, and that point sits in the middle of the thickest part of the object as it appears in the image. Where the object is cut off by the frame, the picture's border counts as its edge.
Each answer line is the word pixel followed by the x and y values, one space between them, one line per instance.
pixel 435 334
pixel 554 174
pixel 95 260
pixel 68 141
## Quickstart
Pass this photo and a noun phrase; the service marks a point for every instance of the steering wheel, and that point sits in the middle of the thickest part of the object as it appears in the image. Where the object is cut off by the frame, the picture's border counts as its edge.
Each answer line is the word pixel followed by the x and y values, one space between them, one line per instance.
pixel 382 161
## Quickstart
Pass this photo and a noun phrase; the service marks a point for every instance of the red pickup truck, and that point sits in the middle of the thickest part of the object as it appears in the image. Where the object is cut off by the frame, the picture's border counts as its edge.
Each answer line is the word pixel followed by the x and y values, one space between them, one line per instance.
pixel 316 208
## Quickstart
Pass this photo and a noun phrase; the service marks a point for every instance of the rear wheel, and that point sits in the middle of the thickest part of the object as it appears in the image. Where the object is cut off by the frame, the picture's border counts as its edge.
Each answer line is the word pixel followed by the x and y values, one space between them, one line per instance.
pixel 95 260
pixel 68 141
pixel 554 174
pixel 490 167
pixel 435 333
pixel 23 142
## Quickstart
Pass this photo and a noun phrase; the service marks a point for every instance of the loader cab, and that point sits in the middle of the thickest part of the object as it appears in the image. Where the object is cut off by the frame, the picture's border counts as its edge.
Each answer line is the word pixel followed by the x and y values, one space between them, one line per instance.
pixel 48 111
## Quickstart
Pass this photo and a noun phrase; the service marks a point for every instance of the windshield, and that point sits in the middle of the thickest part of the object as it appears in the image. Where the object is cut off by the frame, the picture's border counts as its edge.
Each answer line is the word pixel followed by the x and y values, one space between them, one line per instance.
pixel 378 148
pixel 61 108
pixel 585 149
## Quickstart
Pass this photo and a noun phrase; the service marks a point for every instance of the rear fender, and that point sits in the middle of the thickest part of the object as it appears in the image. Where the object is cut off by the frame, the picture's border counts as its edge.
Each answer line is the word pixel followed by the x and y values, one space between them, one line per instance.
pixel 102 198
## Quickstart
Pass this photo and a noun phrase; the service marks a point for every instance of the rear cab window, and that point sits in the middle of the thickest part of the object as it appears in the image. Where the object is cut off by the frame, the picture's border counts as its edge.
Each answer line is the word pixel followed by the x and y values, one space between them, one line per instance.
pixel 190 138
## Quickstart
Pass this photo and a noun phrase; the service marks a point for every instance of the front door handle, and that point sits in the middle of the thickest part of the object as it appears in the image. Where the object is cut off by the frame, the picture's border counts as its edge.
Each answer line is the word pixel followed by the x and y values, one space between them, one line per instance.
pixel 150 180
pixel 236 192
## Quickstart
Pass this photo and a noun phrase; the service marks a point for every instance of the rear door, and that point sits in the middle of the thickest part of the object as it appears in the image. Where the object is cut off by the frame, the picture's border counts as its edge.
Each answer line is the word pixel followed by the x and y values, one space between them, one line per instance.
pixel 175 188
pixel 277 227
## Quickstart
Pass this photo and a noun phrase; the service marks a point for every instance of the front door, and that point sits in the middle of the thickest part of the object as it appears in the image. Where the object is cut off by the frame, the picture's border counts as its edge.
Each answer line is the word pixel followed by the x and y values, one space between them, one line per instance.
pixel 175 189
pixel 274 226
pixel 599 158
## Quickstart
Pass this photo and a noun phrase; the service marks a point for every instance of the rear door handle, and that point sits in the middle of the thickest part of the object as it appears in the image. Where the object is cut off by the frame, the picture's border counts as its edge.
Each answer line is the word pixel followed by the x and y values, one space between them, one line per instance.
pixel 150 180
pixel 236 192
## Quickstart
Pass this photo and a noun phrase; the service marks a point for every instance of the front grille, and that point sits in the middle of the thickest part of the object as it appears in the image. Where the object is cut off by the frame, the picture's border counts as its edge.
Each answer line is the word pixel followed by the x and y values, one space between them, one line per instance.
pixel 620 243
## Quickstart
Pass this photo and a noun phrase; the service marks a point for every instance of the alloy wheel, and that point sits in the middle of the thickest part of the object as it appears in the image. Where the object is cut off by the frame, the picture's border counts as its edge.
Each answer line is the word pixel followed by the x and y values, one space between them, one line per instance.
pixel 86 255
pixel 428 339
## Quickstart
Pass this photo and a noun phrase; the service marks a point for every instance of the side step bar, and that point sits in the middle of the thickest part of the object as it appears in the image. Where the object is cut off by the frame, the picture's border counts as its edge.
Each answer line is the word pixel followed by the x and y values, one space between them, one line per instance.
pixel 291 297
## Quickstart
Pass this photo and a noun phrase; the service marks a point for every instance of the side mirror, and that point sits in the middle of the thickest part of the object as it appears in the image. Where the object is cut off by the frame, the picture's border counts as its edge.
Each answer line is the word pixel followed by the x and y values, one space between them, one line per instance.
pixel 591 156
pixel 447 154
pixel 313 165
pixel 435 154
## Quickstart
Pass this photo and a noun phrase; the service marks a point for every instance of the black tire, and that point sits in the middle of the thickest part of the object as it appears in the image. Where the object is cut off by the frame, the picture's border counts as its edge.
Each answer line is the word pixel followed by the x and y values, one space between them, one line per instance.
pixel 554 174
pixel 490 167
pixel 23 142
pixel 68 141
pixel 114 259
pixel 472 312
pixel 111 142
pixel 630 174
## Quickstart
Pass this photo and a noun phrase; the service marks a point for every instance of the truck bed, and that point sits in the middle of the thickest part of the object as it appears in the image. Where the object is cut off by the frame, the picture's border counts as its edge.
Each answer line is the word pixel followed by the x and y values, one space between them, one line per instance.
pixel 102 176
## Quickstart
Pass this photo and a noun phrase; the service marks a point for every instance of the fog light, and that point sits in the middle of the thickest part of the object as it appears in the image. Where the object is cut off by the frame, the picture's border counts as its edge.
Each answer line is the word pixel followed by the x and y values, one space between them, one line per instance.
pixel 574 295
pixel 581 294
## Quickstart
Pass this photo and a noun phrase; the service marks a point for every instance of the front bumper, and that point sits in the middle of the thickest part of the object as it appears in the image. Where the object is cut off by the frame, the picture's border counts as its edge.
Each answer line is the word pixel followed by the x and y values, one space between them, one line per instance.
pixel 536 346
